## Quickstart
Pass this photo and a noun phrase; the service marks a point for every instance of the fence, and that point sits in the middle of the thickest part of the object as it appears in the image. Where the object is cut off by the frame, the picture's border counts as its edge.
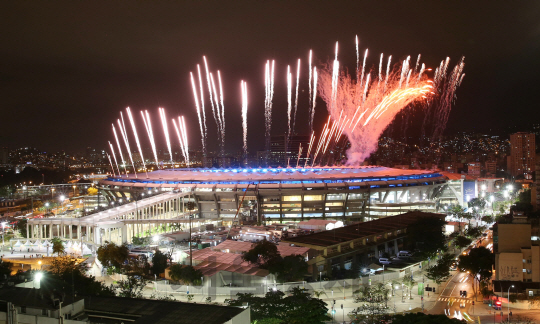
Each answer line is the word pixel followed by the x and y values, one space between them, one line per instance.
pixel 345 287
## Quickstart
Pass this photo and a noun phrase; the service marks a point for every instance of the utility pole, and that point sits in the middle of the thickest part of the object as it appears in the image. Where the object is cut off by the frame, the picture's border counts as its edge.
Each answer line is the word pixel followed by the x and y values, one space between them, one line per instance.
pixel 190 206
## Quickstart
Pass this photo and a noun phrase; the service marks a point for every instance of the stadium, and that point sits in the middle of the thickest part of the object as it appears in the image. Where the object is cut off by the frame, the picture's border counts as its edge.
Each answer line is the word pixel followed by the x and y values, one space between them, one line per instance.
pixel 290 194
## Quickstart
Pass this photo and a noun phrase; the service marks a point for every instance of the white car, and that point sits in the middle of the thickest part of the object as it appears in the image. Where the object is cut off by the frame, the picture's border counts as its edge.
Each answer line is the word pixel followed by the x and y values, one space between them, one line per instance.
pixel 384 261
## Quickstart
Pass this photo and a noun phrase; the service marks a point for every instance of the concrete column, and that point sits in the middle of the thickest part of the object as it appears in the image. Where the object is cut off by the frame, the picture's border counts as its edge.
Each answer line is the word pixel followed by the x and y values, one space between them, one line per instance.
pixel 27 231
pixel 396 246
pixel 40 231
pixel 70 231
pixel 79 232
pixel 386 247
pixel 50 231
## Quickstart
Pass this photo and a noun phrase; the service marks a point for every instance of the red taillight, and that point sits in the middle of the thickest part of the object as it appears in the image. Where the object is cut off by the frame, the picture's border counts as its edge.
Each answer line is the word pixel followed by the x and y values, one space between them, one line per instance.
pixel 498 303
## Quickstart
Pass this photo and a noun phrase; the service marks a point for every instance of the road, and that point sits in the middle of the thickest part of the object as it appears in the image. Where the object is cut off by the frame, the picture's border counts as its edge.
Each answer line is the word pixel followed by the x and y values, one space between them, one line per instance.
pixel 450 302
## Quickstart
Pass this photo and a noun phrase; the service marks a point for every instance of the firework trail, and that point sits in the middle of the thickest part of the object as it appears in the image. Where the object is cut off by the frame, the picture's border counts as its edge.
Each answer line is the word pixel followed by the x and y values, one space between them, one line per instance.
pixel 380 67
pixel 310 91
pixel 212 89
pixel 202 108
pixel 314 101
pixel 299 155
pixel 115 161
pixel 112 167
pixel 148 126
pixel 335 77
pixel 182 149
pixel 203 135
pixel 269 94
pixel 379 103
pixel 289 100
pixel 311 140
pixel 136 139
pixel 217 114
pixel 119 148
pixel 387 73
pixel 123 132
pixel 296 97
pixel 446 95
pixel 243 86
pixel 182 137
pixel 166 131
pixel 222 116
pixel 357 58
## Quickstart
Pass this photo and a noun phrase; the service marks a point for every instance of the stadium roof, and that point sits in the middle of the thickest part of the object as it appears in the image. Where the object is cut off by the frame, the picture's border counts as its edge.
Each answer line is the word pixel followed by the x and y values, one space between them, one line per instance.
pixel 272 176
pixel 361 230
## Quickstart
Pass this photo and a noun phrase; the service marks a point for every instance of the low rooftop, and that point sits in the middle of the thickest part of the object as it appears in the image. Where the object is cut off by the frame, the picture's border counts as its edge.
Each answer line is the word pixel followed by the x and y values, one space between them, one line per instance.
pixel 361 230
pixel 160 312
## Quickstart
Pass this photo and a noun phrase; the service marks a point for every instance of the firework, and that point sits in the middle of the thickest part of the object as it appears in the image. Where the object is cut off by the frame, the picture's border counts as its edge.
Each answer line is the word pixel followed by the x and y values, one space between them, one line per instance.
pixel 148 126
pixel 112 168
pixel 201 127
pixel 379 102
pixel 119 148
pixel 289 100
pixel 136 138
pixel 202 108
pixel 243 86
pixel 166 132
pixel 310 91
pixel 123 132
pixel 115 161
pixel 296 97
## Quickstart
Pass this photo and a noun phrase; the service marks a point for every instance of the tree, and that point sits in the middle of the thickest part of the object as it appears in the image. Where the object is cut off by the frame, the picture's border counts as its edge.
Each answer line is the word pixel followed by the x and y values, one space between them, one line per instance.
pixel 469 217
pixel 288 269
pixel 21 227
pixel 68 276
pixel 441 271
pixel 478 263
pixel 427 235
pixel 62 264
pixel 132 287
pixel 159 262
pixel 421 318
pixel 298 308
pixel 462 241
pixel 488 219
pixel 112 255
pixel 374 300
pixel 186 274
pixel 5 268
pixel 409 282
pixel 261 253
pixel 57 246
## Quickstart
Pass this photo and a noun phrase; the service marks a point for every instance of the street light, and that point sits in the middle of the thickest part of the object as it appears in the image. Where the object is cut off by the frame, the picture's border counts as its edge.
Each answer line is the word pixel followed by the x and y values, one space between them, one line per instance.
pixel 509 302
pixel 37 278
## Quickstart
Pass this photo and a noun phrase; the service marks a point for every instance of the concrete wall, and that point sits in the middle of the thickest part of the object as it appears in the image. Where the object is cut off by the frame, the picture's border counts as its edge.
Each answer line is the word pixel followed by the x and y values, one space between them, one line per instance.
pixel 510 266
pixel 512 237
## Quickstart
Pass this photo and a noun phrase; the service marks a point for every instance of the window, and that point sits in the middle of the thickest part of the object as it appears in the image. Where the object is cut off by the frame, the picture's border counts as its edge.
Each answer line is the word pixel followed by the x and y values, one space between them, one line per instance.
pixel 531 293
pixel 44 312
pixel 524 270
pixel 23 309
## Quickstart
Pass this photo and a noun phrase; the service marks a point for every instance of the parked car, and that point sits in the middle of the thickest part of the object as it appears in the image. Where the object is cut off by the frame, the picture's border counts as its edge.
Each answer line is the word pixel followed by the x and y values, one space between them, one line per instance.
pixel 453 266
pixel 404 256
pixel 384 261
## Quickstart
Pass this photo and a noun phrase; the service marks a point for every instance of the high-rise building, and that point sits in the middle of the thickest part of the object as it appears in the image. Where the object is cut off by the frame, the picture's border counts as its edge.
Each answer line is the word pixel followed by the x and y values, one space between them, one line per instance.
pixel 522 154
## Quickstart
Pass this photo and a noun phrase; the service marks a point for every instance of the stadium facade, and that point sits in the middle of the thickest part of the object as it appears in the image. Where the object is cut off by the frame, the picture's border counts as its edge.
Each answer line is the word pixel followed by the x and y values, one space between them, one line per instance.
pixel 291 194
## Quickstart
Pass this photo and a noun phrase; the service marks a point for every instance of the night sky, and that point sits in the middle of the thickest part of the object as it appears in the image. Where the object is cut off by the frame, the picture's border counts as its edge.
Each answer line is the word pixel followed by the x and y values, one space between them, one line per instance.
pixel 68 68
